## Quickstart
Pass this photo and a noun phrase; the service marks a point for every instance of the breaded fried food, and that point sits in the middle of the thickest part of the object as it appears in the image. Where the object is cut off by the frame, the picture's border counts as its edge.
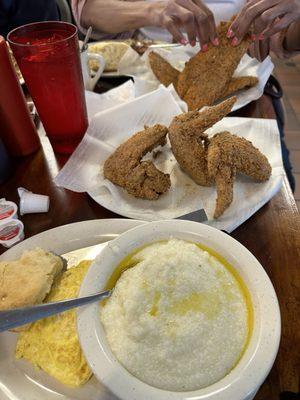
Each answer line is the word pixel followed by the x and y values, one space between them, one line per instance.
pixel 167 74
pixel 228 154
pixel 216 160
pixel 139 178
pixel 189 142
pixel 239 83
pixel 207 75
pixel 163 70
pixel 28 280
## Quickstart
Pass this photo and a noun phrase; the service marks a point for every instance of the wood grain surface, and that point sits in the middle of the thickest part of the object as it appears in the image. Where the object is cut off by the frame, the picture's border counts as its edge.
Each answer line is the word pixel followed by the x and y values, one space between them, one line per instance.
pixel 272 235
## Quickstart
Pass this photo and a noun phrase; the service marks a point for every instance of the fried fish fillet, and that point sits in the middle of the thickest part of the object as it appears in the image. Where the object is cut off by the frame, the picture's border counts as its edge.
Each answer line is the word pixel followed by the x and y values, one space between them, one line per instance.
pixel 189 142
pixel 139 178
pixel 207 74
pixel 228 154
pixel 163 70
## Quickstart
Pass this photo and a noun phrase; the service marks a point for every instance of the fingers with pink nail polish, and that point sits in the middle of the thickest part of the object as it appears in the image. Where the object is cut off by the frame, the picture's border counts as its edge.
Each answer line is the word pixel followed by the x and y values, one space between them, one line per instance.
pixel 216 42
pixel 261 36
pixel 235 41
pixel 184 41
pixel 204 47
pixel 229 33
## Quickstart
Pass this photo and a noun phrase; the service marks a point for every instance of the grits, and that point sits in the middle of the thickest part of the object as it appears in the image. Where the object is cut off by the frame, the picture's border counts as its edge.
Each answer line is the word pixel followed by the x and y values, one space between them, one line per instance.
pixel 178 319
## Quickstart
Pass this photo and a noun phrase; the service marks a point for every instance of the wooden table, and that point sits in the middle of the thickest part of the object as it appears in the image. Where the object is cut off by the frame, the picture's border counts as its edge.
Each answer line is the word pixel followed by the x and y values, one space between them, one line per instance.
pixel 272 235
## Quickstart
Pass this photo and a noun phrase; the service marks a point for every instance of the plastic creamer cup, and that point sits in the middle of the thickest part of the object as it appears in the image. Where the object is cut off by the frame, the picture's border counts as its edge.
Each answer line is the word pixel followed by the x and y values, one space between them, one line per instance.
pixel 32 203
pixel 8 211
pixel 11 232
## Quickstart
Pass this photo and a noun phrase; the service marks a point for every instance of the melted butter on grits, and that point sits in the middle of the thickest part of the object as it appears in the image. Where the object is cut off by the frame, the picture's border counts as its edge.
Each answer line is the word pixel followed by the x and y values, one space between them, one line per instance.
pixel 179 318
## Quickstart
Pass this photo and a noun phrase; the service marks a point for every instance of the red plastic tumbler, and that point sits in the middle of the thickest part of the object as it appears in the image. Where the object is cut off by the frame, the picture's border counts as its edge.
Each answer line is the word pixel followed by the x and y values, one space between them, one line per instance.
pixel 48 56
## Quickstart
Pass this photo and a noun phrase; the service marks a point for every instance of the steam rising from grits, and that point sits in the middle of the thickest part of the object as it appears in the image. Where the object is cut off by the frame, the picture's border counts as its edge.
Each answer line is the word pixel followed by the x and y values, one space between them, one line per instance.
pixel 179 319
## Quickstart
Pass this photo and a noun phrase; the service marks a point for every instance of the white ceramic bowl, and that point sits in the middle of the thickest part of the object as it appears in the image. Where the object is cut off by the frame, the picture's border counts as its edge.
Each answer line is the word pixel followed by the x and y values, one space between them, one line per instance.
pixel 244 380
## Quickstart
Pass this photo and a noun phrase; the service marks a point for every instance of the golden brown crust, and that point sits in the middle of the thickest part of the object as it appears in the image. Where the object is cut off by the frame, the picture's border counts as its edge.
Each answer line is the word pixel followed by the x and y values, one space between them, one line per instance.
pixel 164 72
pixel 224 180
pixel 228 154
pixel 215 160
pixel 141 179
pixel 207 77
pixel 207 74
pixel 189 142
pixel 28 280
pixel 242 82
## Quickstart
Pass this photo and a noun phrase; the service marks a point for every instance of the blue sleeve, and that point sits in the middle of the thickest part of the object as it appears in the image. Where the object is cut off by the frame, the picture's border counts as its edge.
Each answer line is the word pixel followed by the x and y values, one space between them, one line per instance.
pixel 14 13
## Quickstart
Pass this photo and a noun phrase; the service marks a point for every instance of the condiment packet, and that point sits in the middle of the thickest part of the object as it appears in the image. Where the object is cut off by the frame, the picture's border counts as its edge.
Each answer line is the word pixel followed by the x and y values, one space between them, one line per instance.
pixel 8 210
pixel 11 233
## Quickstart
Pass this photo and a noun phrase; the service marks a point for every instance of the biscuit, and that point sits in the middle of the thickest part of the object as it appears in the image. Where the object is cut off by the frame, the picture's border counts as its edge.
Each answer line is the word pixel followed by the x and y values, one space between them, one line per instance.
pixel 28 280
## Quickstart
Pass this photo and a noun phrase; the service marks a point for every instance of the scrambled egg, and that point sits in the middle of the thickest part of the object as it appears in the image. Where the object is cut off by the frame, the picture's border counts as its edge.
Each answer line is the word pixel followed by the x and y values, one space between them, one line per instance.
pixel 52 343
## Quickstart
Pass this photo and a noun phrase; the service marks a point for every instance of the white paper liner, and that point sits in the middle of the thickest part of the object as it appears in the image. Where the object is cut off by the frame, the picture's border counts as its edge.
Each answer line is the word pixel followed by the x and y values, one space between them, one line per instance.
pixel 138 67
pixel 108 129
pixel 98 102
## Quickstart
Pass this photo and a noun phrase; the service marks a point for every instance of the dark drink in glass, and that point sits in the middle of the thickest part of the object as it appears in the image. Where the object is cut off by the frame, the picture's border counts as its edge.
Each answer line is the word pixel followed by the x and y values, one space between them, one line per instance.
pixel 48 56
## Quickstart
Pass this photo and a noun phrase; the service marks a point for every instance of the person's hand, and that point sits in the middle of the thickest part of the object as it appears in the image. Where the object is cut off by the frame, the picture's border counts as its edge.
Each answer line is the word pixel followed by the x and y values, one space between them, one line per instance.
pixel 259 49
pixel 270 17
pixel 190 15
pixel 277 46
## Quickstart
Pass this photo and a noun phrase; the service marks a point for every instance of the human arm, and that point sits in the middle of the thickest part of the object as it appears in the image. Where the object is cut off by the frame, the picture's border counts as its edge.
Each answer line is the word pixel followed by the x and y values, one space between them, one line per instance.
pixel 114 16
pixel 267 17
pixel 292 38
pixel 283 44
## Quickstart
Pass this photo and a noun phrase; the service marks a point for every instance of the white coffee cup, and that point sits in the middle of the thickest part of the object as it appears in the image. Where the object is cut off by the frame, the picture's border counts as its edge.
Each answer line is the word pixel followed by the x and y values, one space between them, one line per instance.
pixel 88 79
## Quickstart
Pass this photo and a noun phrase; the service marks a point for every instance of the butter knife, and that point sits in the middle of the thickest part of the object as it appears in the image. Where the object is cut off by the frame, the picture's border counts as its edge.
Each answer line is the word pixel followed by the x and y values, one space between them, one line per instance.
pixel 22 316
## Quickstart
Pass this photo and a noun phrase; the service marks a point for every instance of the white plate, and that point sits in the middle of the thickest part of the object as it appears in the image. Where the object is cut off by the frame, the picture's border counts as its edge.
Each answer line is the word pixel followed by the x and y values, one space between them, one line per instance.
pixel 18 379
pixel 245 377
pixel 111 74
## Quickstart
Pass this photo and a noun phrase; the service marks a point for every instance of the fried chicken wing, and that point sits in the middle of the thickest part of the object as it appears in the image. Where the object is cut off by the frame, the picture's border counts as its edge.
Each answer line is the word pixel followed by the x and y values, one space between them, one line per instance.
pixel 206 77
pixel 216 160
pixel 189 142
pixel 139 178
pixel 163 70
pixel 242 82
pixel 167 74
pixel 207 74
pixel 228 154
pixel 224 181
